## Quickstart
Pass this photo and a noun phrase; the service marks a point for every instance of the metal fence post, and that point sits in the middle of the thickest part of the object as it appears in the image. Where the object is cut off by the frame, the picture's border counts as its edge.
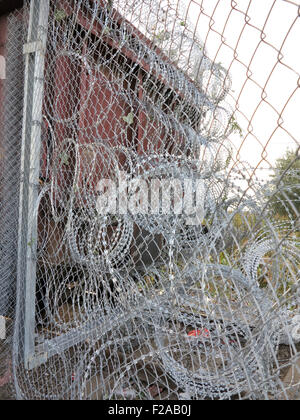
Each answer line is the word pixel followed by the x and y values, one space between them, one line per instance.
pixel 34 50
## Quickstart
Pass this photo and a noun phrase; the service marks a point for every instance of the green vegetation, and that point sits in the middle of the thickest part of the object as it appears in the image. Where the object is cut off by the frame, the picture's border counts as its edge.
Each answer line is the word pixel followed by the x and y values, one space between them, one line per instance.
pixel 235 127
pixel 286 198
pixel 129 119
pixel 60 15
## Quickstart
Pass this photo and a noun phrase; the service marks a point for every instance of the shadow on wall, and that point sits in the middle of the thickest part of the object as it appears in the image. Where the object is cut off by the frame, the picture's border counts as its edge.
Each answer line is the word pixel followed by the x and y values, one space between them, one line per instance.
pixel 9 6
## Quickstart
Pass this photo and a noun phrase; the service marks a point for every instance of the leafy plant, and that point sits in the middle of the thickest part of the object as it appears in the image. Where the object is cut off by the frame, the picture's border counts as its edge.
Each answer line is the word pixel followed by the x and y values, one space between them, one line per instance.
pixel 129 118
pixel 60 15
pixel 64 158
pixel 235 127
pixel 285 199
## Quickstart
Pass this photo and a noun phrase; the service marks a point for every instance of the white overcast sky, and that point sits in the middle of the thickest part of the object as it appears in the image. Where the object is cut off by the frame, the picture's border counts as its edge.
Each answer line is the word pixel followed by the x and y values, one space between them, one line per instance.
pixel 245 36
pixel 215 17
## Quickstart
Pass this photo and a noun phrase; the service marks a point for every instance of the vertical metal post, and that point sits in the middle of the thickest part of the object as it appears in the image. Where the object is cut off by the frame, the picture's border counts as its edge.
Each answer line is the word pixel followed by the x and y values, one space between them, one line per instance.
pixel 34 50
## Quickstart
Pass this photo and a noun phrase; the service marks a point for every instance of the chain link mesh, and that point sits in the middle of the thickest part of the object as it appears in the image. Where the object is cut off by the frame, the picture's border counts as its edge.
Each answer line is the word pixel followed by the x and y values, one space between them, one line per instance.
pixel 11 113
pixel 145 253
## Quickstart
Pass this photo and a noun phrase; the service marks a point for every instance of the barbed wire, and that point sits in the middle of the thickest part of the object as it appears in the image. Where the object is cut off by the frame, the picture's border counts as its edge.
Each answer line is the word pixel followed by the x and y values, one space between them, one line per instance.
pixel 188 287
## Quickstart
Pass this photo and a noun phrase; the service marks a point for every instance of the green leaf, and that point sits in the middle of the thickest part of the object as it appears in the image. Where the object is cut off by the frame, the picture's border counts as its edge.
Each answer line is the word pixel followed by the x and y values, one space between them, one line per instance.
pixel 162 36
pixel 129 118
pixel 60 15
pixel 64 158
pixel 235 126
pixel 31 243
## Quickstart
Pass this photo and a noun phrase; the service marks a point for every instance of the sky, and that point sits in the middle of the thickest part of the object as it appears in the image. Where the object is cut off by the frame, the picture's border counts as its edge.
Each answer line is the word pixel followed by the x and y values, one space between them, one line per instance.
pixel 258 41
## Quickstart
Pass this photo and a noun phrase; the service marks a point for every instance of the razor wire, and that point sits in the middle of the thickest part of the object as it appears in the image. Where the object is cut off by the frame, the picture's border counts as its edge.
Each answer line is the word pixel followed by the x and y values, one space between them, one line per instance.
pixel 162 266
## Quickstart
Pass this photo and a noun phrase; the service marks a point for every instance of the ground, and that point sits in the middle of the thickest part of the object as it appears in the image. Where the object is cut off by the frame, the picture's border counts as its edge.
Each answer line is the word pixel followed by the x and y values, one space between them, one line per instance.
pixel 283 356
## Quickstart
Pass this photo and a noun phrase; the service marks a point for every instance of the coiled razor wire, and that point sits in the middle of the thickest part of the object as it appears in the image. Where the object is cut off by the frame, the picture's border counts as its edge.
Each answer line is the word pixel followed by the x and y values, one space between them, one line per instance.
pixel 148 303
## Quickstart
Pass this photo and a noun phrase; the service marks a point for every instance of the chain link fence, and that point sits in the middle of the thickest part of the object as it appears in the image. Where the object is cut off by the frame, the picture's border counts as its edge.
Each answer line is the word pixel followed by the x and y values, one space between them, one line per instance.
pixel 11 115
pixel 150 201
